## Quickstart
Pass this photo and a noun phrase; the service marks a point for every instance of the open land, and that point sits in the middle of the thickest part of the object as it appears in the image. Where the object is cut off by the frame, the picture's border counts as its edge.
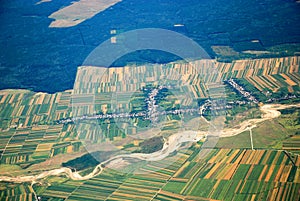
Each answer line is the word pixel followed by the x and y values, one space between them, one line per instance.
pixel 226 128
pixel 171 144
pixel 33 133
pixel 49 56
pixel 79 11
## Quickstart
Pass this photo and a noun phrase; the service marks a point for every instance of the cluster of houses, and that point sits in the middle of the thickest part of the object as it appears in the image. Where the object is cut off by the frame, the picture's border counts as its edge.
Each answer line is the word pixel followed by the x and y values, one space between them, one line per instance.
pixel 286 97
pixel 242 91
pixel 152 106
pixel 152 112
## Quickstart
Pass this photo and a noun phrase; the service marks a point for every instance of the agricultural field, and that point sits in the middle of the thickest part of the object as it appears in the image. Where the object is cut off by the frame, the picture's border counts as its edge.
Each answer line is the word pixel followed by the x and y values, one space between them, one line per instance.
pixel 281 133
pixel 28 146
pixel 223 174
pixel 270 75
pixel 40 131
pixel 111 92
pixel 138 100
pixel 22 109
pixel 266 75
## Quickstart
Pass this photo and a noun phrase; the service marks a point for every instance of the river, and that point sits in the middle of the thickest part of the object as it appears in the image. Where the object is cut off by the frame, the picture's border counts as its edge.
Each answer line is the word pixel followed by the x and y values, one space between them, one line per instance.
pixel 171 144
